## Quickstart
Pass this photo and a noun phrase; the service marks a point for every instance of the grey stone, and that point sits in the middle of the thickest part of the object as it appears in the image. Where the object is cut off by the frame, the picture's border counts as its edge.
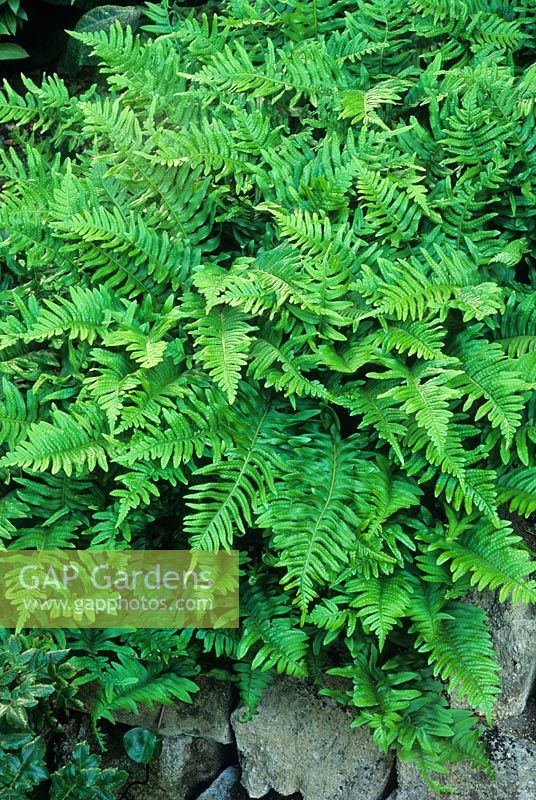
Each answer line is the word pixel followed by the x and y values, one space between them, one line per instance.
pixel 513 756
pixel 300 742
pixel 207 717
pixel 185 766
pixel 223 786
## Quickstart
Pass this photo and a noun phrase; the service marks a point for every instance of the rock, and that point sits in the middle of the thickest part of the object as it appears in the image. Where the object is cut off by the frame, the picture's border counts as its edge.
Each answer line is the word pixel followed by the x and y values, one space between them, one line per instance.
pixel 222 787
pixel 513 755
pixel 513 630
pixel 300 742
pixel 207 717
pixel 185 766
pixel 524 726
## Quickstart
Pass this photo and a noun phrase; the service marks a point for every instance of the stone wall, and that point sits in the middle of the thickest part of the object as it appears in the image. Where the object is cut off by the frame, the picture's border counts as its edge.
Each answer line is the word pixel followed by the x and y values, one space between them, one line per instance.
pixel 301 745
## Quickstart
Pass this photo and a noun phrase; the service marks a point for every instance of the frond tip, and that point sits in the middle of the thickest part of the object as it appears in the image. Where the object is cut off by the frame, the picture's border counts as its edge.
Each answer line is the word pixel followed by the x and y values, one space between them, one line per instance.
pixel 223 339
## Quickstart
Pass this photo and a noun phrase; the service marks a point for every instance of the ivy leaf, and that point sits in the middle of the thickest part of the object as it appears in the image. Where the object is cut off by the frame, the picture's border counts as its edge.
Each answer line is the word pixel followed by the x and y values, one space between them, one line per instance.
pixel 97 19
pixel 10 51
pixel 142 746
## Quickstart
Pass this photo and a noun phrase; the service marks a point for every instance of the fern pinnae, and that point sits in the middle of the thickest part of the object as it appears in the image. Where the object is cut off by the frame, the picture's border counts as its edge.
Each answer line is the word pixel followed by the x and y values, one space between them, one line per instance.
pixel 224 339
pixel 265 287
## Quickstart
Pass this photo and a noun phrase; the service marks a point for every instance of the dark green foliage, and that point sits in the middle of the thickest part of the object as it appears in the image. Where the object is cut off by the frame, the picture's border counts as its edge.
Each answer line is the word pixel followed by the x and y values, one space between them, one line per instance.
pixel 12 15
pixel 83 778
pixel 270 292
pixel 92 15
pixel 142 746
pixel 99 18
pixel 36 685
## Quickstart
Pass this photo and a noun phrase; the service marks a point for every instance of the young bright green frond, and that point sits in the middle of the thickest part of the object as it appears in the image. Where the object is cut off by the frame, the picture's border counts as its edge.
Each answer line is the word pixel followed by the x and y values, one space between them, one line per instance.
pixel 492 562
pixel 223 339
pixel 382 601
pixel 461 652
pixel 67 444
pixel 490 376
pixel 314 531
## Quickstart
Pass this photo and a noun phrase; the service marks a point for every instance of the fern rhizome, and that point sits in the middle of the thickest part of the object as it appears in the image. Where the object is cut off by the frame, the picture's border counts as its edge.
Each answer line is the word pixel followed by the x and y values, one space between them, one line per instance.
pixel 266 287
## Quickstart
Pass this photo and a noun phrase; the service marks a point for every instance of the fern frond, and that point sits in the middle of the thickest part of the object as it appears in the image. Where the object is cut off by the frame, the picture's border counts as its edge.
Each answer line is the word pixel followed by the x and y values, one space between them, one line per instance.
pixel 183 435
pixel 17 413
pixel 314 530
pixel 67 443
pixel 111 384
pixel 423 338
pixel 381 602
pixel 83 317
pixel 382 415
pixel 461 652
pixel 128 684
pixel 426 395
pixel 223 339
pixel 278 644
pixel 492 558
pixel 490 376
pixel 138 490
pixel 252 684
pixel 517 487
pixel 361 106
pixel 389 211
pixel 121 251
pixel 405 289
pixel 303 70
pixel 238 483
pixel 157 388
pixel 277 364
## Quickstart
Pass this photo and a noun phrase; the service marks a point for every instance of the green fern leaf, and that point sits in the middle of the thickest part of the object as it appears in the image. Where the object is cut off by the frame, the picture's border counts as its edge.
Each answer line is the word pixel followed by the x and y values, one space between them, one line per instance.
pixel 223 339
pixel 382 601
pixel 67 444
